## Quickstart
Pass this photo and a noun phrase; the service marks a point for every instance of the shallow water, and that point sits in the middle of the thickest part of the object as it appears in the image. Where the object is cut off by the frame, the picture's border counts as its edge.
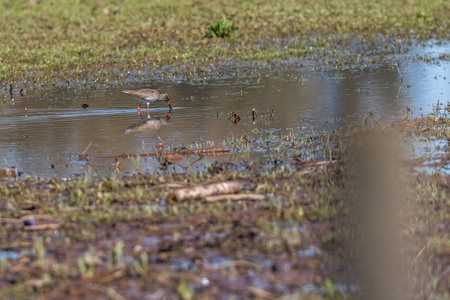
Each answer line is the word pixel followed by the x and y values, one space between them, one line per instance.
pixel 47 139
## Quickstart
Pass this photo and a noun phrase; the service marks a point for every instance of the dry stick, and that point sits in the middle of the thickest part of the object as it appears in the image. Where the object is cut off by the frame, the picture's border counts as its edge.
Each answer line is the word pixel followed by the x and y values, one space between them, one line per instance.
pixel 419 255
pixel 6 162
pixel 201 151
pixel 42 227
pixel 401 77
pixel 320 163
pixel 87 148
pixel 378 121
pixel 236 197
pixel 187 151
pixel 399 89
pixel 201 191
pixel 39 217
pixel 30 217
pixel 260 293
pixel 191 164
pixel 10 221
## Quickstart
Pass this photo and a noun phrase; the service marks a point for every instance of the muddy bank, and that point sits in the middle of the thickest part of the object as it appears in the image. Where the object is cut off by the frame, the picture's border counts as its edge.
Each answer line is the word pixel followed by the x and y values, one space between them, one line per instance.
pixel 291 231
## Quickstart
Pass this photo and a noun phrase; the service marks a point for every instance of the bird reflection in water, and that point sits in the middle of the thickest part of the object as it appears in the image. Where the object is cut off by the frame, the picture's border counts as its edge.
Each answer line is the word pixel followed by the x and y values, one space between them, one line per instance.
pixel 148 123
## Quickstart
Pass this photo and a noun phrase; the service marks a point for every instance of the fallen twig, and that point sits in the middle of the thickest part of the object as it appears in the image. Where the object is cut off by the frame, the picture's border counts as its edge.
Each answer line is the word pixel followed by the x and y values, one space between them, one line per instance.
pixel 200 151
pixel 401 77
pixel 200 191
pixel 204 151
pixel 4 221
pixel 320 163
pixel 260 293
pixel 42 227
pixel 236 197
pixel 20 221
pixel 173 158
pixel 399 89
pixel 87 148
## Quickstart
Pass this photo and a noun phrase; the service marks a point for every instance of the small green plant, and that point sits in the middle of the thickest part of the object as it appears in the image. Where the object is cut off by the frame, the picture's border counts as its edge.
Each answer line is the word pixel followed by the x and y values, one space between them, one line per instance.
pixel 331 289
pixel 144 264
pixel 138 161
pixel 86 264
pixel 185 291
pixel 39 248
pixel 118 252
pixel 221 29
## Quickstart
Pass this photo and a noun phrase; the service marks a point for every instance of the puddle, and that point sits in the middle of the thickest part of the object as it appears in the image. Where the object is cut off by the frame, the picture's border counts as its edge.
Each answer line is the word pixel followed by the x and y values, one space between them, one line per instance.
pixel 56 129
pixel 8 254
pixel 13 255
pixel 310 252
pixel 427 155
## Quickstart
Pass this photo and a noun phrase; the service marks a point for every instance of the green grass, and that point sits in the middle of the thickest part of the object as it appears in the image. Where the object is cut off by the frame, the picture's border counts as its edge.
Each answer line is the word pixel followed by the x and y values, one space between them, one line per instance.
pixel 221 29
pixel 74 39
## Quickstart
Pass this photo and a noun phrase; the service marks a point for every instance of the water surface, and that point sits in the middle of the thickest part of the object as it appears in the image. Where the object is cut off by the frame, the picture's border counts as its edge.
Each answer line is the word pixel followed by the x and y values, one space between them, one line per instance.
pixel 47 139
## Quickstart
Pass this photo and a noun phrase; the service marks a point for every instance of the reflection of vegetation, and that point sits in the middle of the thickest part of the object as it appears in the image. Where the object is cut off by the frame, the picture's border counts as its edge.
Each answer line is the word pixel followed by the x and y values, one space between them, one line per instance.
pixel 221 29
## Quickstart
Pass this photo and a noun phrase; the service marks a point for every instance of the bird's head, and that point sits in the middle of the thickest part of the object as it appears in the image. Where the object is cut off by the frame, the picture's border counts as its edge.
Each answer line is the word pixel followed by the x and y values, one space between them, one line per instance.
pixel 166 97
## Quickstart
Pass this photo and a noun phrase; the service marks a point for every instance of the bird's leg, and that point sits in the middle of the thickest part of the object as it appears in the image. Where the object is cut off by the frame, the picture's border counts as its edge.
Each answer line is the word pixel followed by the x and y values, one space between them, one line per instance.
pixel 139 113
pixel 168 102
pixel 147 111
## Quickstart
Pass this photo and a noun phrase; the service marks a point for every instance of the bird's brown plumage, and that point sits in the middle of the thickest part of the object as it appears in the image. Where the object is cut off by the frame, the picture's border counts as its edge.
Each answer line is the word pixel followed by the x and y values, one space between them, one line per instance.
pixel 147 96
